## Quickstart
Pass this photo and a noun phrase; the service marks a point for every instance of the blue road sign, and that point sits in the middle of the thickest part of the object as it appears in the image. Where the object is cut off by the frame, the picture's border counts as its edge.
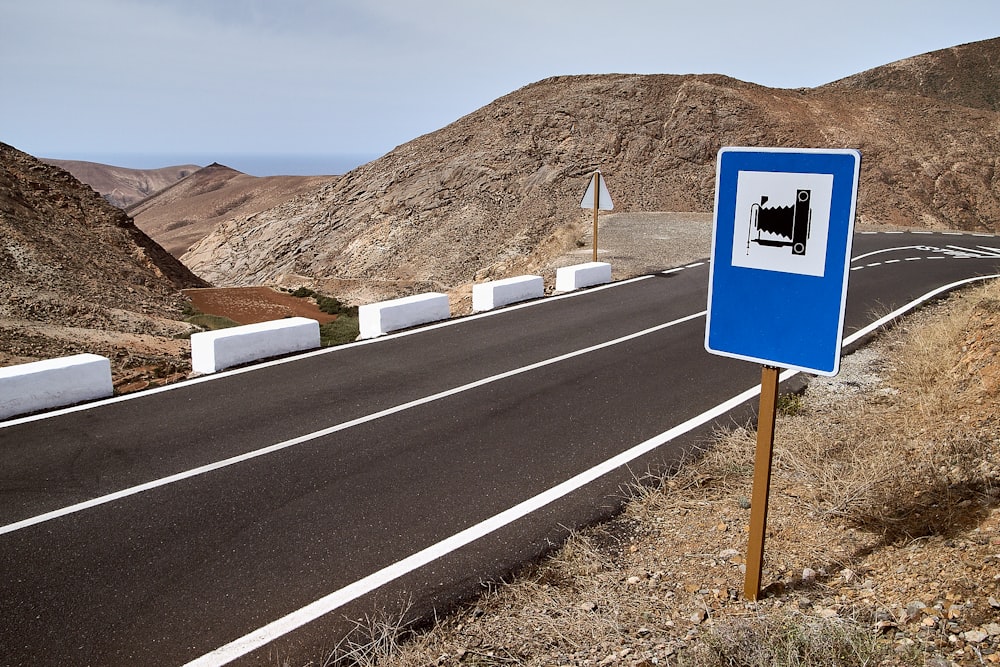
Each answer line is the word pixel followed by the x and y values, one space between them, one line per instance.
pixel 781 253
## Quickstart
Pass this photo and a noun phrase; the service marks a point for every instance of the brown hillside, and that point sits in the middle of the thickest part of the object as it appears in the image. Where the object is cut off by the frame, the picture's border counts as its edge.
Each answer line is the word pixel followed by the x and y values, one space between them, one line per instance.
pixel 122 186
pixel 968 75
pixel 188 210
pixel 498 191
pixel 76 274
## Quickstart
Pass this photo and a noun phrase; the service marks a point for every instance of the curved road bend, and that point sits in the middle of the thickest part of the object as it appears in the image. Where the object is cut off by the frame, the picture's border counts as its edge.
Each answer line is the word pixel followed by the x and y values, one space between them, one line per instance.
pixel 163 528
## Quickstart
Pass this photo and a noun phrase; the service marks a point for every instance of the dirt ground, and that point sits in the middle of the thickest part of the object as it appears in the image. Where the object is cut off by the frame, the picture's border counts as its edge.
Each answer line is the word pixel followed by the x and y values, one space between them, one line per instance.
pixel 249 305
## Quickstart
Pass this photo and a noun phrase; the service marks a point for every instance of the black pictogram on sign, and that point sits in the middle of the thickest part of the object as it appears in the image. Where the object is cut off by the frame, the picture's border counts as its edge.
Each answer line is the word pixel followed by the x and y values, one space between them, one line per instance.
pixel 775 224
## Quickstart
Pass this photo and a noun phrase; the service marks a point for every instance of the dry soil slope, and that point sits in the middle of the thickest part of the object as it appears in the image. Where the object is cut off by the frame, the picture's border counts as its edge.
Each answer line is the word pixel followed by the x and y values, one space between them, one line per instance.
pixel 120 185
pixel 968 75
pixel 496 192
pixel 186 211
pixel 76 275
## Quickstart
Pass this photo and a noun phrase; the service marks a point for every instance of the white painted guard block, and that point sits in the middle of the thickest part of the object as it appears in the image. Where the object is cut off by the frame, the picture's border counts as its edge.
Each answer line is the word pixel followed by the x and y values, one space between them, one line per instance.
pixel 213 351
pixel 569 278
pixel 54 383
pixel 377 319
pixel 497 293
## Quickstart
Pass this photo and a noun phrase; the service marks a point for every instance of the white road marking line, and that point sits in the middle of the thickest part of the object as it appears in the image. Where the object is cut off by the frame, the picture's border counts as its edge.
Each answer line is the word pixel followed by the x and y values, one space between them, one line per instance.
pixel 885 250
pixel 973 252
pixel 339 598
pixel 921 232
pixel 893 261
pixel 691 266
pixel 201 470
pixel 913 259
pixel 282 626
pixel 902 310
pixel 874 264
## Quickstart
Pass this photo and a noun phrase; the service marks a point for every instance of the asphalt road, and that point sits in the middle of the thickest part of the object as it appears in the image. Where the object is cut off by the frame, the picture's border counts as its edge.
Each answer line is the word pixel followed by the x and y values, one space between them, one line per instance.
pixel 250 515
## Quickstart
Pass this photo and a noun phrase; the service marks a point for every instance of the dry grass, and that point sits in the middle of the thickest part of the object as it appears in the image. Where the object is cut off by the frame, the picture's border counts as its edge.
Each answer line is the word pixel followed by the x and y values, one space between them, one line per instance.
pixel 906 461
pixel 374 641
pixel 883 536
pixel 787 640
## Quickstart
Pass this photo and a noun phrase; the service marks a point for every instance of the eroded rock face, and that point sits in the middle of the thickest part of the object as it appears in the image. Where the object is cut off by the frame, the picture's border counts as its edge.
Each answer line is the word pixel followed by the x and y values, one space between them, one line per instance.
pixel 495 192
pixel 181 215
pixel 73 267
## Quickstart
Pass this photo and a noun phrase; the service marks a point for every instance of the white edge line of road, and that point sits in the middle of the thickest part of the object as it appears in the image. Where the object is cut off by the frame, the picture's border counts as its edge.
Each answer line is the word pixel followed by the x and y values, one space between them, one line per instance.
pixel 343 426
pixel 282 626
pixel 339 598
pixel 326 350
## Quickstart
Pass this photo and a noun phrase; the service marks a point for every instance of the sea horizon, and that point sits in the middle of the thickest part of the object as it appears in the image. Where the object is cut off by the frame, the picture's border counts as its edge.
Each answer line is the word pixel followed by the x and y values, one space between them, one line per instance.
pixel 254 164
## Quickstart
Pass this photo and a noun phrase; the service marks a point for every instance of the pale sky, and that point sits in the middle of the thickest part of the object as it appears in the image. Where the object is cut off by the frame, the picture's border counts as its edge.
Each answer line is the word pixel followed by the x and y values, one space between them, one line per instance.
pixel 318 77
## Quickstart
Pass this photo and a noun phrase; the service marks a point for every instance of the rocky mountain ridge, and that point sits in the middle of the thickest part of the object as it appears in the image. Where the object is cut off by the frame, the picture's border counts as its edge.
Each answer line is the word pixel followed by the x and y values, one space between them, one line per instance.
pixel 77 275
pixel 186 211
pixel 123 186
pixel 497 192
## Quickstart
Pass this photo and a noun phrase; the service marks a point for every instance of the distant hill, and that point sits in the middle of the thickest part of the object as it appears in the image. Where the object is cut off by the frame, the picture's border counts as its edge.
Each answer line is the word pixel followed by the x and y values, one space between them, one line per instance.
pixel 968 75
pixel 186 211
pixel 122 186
pixel 497 192
pixel 76 275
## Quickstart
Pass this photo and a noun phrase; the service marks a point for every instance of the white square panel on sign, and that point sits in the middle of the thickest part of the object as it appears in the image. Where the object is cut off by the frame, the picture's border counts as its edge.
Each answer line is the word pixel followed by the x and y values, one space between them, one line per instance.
pixel 782 221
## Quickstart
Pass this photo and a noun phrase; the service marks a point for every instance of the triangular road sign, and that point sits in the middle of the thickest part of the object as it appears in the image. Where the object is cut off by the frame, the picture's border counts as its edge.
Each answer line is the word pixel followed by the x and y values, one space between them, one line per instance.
pixel 603 202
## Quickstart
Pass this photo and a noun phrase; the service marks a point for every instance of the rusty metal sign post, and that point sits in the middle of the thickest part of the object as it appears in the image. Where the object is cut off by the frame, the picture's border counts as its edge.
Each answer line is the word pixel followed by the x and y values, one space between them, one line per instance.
pixel 598 198
pixel 761 481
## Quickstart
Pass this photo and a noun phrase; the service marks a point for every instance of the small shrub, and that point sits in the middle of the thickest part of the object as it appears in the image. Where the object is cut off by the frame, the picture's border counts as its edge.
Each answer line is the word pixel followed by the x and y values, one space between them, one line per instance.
pixel 329 304
pixel 789 641
pixel 374 642
pixel 344 329
pixel 790 405
pixel 188 309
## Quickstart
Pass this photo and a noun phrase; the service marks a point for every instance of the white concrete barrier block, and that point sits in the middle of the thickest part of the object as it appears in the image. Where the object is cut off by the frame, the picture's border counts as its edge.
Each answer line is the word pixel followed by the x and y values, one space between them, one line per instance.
pixel 569 278
pixel 54 383
pixel 497 293
pixel 377 319
pixel 213 351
